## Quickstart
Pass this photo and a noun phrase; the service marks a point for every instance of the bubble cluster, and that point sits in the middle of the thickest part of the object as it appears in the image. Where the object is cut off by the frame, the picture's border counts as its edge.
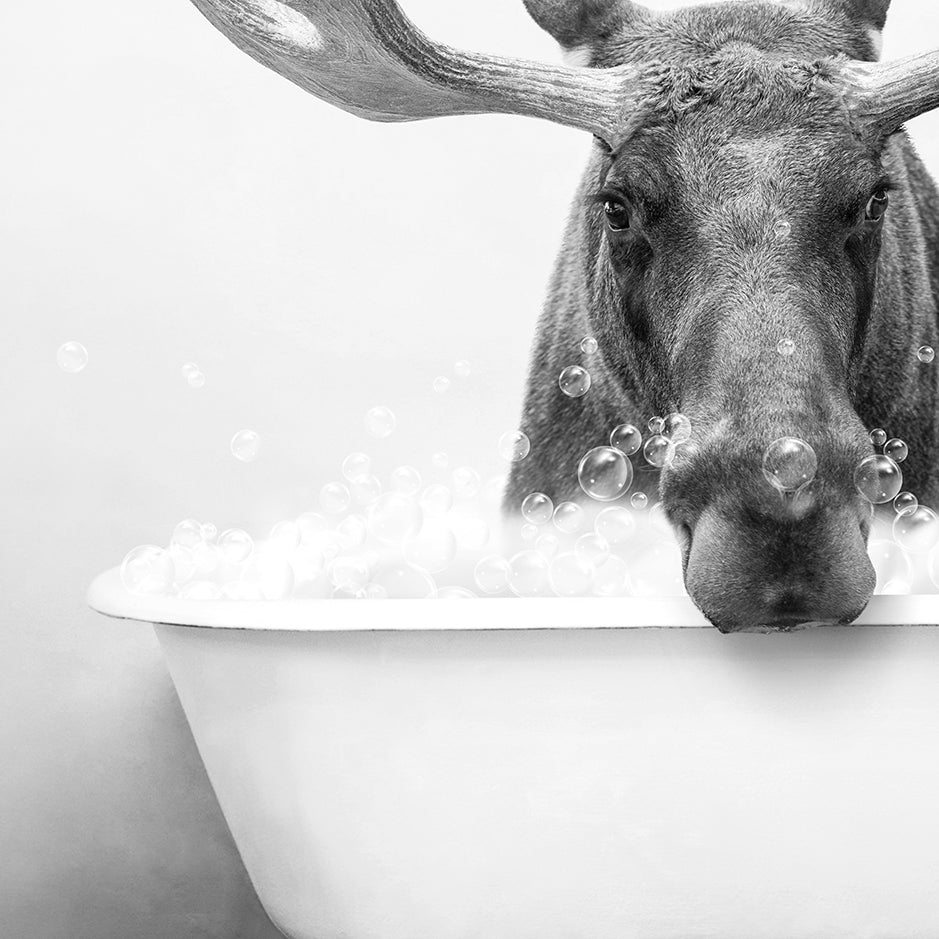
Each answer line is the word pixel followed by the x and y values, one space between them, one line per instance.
pixel 71 357
pixel 574 381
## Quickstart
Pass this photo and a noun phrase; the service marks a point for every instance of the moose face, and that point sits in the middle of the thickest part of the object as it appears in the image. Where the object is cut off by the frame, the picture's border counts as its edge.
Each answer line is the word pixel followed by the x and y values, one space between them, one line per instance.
pixel 722 228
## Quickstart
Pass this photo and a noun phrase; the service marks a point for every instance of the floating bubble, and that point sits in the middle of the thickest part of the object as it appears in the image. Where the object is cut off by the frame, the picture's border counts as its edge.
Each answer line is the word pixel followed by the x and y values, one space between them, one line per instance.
pixel 441 384
pixel 878 478
pixel 592 549
pixel 569 575
pixel 878 437
pixel 440 460
pixel 380 422
pixel 615 525
pixel 782 228
pixel 604 473
pixel 890 562
pixel 353 532
pixel 638 500
pixel 148 571
pixel 355 465
pixel 656 425
pixel 588 345
pixel 189 368
pixel 785 347
pixel 896 449
pixel 529 532
pixel 466 483
pixel 611 578
pixel 433 548
pixel 245 446
pixel 568 517
pixel 917 531
pixel 789 463
pixel 269 576
pixel 626 438
pixel 285 537
pixel 405 581
pixel 209 531
pixel 349 573
pixel 905 502
pixel 677 428
pixel 492 574
pixel 195 380
pixel 406 480
pixel 528 575
pixel 437 499
pixel 71 357
pixel 574 381
pixel 537 508
pixel 187 533
pixel 925 354
pixel 462 369
pixel 335 498
pixel 365 489
pixel 394 517
pixel 184 564
pixel 548 544
pixel 658 450
pixel 514 445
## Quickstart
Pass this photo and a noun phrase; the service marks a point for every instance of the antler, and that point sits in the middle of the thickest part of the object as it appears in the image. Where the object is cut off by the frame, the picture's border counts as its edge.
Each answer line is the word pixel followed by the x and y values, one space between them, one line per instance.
pixel 884 95
pixel 366 57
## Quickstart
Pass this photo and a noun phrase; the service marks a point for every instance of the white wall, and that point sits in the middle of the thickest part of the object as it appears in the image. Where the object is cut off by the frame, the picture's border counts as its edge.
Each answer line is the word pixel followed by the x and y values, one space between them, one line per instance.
pixel 166 199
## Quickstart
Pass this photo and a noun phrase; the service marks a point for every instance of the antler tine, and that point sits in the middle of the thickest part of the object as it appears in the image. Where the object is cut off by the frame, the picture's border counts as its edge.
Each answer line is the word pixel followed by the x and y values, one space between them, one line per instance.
pixel 884 95
pixel 366 57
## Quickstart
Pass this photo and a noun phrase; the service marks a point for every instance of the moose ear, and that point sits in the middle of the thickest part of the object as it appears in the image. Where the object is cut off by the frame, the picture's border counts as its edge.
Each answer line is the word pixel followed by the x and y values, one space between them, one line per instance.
pixel 579 25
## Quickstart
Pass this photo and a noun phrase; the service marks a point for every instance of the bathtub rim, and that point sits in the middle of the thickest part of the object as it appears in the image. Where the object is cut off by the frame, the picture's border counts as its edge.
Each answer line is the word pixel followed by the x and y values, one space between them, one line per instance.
pixel 107 595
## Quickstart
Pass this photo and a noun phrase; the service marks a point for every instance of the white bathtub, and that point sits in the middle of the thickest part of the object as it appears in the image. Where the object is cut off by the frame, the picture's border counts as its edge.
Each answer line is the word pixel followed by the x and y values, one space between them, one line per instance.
pixel 547 769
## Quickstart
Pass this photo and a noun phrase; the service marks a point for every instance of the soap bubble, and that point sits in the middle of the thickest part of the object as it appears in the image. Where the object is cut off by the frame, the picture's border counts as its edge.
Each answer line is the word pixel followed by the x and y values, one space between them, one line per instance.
pixel 638 500
pixel 441 384
pixel 878 437
pixel 201 590
pixel 537 508
pixel 514 445
pixel 878 478
pixel 528 575
pixel 349 573
pixel 335 498
pixel 896 588
pixel 588 345
pixel 789 463
pixel 355 465
pixel 269 575
pixel 782 228
pixel 462 369
pixel 677 428
pixel 380 422
pixel 436 499
pixel 656 425
pixel 905 502
pixel 574 381
pixel 466 483
pixel 245 445
pixel 568 517
pixel 785 347
pixel 492 574
pixel 406 480
pixel 374 592
pixel 71 357
pixel 405 581
pixel 353 532
pixel 184 563
pixel 440 460
pixel 235 545
pixel 529 532
pixel 148 571
pixel 611 578
pixel 365 489
pixel 285 537
pixel 925 354
pixel 433 548
pixel 195 379
pixel 604 473
pixel 394 517
pixel 548 544
pixel 187 533
pixel 592 549
pixel 209 531
pixel 569 576
pixel 917 531
pixel 896 449
pixel 455 593
pixel 890 562
pixel 615 525
pixel 626 438
pixel 659 450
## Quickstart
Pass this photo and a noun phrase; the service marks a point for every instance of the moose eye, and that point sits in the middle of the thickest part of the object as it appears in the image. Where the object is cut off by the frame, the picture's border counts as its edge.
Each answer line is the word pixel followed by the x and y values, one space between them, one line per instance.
pixel 877 205
pixel 617 215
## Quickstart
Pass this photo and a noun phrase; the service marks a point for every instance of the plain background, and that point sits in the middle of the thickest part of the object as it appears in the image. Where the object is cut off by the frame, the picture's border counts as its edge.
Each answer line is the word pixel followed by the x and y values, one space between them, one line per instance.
pixel 165 199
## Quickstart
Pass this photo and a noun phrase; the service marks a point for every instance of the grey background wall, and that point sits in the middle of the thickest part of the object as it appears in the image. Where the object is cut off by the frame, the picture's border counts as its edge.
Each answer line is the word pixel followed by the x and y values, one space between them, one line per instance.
pixel 165 200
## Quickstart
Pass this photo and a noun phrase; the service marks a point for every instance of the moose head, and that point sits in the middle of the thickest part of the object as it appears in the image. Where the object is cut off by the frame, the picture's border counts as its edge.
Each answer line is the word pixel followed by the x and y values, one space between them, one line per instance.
pixel 737 196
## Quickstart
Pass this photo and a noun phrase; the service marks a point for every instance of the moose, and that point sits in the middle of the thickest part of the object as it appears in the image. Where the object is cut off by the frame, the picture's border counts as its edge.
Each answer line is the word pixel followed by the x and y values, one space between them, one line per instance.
pixel 750 182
